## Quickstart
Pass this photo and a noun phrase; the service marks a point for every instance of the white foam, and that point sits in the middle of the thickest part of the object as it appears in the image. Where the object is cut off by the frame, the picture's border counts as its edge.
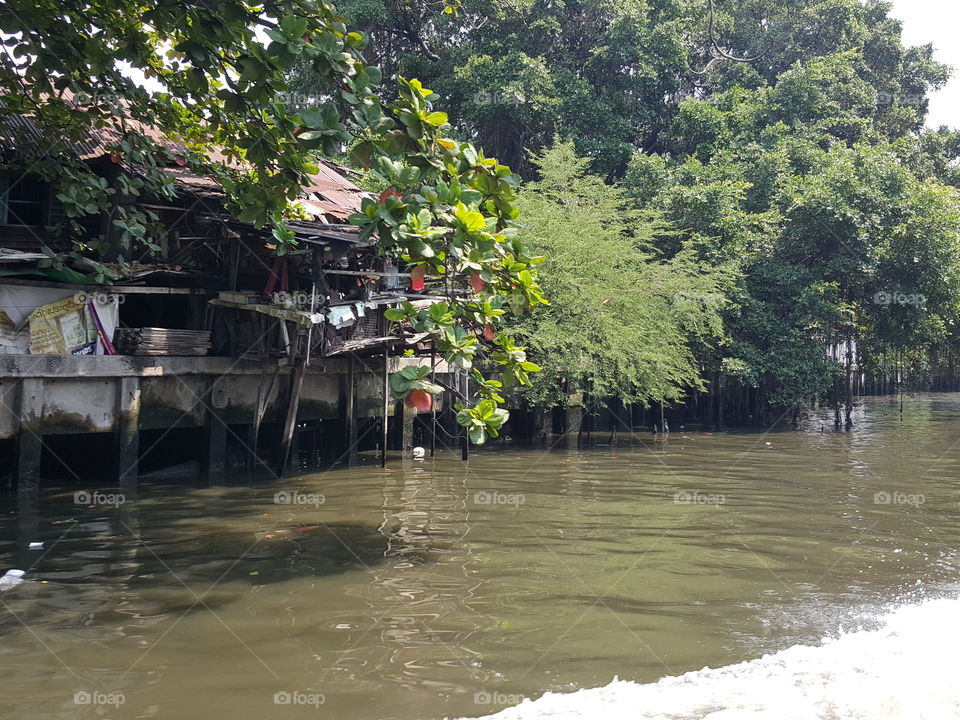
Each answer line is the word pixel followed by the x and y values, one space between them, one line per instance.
pixel 906 670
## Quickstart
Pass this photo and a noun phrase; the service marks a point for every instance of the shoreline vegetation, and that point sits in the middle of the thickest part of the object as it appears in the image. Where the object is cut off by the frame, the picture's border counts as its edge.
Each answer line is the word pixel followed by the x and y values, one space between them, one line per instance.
pixel 741 209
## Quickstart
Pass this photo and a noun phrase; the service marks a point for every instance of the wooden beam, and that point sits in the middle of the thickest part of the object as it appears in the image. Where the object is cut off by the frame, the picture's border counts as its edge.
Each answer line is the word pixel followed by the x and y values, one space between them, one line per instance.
pixel 127 289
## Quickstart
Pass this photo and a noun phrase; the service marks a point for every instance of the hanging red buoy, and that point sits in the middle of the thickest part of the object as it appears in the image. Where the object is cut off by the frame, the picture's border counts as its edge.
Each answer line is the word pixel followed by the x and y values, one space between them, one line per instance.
pixel 416 277
pixel 419 399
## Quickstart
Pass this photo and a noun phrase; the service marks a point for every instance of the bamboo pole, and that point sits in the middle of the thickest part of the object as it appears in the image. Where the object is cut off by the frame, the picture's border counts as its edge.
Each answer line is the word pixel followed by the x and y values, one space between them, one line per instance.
pixel 386 404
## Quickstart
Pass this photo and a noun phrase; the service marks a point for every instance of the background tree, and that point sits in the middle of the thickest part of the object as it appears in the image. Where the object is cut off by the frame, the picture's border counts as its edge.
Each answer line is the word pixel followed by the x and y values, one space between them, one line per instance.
pixel 611 75
pixel 623 322
pixel 730 152
pixel 826 218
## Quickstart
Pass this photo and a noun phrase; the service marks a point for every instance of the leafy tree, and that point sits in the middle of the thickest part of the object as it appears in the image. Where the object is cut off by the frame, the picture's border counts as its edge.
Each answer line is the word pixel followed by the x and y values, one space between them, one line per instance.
pixel 799 183
pixel 728 151
pixel 623 322
pixel 610 75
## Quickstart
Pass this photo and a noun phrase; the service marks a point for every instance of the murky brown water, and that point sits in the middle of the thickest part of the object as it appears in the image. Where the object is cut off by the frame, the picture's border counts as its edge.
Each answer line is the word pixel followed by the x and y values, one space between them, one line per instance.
pixel 437 589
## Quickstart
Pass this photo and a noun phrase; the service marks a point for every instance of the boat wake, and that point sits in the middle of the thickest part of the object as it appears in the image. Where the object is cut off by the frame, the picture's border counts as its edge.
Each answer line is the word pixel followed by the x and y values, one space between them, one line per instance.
pixel 905 669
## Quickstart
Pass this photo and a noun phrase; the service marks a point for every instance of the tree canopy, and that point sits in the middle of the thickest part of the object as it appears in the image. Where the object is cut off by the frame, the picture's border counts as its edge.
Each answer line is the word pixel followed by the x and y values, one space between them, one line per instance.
pixel 611 75
pixel 786 139
pixel 623 321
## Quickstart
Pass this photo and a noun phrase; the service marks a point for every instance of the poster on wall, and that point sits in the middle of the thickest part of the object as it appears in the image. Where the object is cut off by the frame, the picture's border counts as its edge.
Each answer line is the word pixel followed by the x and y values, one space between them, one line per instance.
pixel 45 321
pixel 63 328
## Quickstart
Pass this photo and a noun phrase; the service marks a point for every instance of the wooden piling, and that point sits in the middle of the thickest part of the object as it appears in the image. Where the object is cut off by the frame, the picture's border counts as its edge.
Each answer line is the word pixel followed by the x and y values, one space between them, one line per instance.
pixel 128 432
pixel 29 437
pixel 214 457
pixel 350 412
pixel 293 405
pixel 386 405
pixel 433 405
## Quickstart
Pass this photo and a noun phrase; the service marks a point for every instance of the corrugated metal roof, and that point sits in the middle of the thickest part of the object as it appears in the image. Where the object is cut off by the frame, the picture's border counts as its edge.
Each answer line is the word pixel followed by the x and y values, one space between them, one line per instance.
pixel 329 194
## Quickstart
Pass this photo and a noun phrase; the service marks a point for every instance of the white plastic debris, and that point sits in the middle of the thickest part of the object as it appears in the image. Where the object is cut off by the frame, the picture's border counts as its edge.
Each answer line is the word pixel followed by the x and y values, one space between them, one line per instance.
pixel 419 452
pixel 10 579
pixel 36 546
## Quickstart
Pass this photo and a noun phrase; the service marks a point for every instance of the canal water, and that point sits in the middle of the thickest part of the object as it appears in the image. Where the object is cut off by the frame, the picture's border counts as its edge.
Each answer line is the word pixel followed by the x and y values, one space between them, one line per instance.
pixel 790 573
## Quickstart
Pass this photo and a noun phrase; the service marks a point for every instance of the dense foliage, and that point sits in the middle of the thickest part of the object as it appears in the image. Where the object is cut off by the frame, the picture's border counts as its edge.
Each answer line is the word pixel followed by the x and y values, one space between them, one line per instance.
pixel 772 152
pixel 611 74
pixel 783 138
pixel 623 323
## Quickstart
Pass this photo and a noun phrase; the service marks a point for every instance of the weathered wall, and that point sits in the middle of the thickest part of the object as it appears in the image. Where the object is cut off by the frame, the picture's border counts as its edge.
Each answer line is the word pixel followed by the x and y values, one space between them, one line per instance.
pixel 81 394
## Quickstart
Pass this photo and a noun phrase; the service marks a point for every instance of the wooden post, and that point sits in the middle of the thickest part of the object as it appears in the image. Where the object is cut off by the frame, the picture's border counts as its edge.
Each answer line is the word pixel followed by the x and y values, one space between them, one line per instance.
pixel 351 415
pixel 293 405
pixel 465 437
pixel 263 402
pixel 386 405
pixel 29 435
pixel 537 425
pixel 433 406
pixel 409 417
pixel 128 432
pixel 214 462
pixel 28 526
pixel 574 422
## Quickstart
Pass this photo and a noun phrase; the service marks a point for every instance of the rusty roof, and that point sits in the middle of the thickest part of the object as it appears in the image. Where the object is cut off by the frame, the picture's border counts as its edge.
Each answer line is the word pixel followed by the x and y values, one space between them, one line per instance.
pixel 330 195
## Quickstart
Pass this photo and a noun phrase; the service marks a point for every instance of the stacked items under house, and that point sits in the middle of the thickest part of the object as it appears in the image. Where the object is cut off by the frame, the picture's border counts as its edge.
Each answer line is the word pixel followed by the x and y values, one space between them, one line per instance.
pixel 162 341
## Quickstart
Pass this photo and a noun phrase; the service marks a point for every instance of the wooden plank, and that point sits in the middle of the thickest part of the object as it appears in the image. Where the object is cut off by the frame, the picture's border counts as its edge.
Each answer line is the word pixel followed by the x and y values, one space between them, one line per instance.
pixel 298 316
pixel 351 414
pixel 366 273
pixel 128 289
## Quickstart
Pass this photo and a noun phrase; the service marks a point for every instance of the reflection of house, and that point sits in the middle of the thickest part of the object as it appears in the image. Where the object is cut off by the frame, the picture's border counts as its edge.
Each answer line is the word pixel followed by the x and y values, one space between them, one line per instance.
pixel 215 287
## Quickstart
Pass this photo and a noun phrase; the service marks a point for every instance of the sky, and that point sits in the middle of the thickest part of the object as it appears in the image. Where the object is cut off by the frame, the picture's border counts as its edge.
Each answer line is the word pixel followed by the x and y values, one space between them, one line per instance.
pixel 937 22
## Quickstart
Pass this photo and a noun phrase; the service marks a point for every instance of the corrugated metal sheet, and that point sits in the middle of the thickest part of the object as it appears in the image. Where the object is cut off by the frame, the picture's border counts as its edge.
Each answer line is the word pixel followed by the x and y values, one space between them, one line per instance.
pixel 329 194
